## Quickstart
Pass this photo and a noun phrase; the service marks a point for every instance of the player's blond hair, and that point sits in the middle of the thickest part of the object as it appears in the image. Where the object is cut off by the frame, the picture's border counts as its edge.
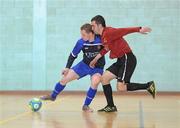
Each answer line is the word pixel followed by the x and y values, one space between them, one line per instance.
pixel 87 27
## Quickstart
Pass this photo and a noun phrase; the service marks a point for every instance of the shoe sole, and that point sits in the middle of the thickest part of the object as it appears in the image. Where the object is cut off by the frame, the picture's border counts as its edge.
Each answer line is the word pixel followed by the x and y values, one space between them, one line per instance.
pixel 43 99
pixel 153 87
pixel 107 111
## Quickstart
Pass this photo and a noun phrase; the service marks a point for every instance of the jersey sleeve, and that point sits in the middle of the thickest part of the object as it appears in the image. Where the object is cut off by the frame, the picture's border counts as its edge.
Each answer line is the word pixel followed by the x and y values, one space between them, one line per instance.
pixel 104 51
pixel 77 48
pixel 115 33
pixel 73 55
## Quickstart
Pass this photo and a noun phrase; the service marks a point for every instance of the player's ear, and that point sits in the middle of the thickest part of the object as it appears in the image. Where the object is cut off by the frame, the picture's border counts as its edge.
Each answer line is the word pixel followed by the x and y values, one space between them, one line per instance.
pixel 99 25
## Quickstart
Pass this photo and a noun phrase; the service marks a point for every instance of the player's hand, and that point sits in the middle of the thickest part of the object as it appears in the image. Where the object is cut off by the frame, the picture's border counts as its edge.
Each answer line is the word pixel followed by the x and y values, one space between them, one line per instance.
pixel 65 71
pixel 93 63
pixel 145 30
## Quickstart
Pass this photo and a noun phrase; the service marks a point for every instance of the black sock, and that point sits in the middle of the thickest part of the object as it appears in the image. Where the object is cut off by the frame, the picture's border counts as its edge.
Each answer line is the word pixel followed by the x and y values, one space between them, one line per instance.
pixel 136 86
pixel 108 94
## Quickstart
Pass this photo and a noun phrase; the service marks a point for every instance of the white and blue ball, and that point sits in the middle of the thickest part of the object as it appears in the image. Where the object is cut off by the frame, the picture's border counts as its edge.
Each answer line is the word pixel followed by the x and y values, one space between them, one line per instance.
pixel 35 104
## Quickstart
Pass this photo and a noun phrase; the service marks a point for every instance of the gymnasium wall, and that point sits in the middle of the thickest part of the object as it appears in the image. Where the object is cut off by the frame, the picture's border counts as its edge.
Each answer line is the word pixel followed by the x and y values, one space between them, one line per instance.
pixel 36 37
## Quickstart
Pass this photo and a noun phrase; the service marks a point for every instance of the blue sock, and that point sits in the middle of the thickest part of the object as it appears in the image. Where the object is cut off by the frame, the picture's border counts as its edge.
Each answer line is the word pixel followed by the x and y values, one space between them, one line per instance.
pixel 90 95
pixel 58 88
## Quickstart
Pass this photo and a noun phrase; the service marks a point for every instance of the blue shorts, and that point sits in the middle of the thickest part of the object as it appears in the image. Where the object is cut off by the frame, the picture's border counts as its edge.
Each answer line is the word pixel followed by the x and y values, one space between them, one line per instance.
pixel 83 69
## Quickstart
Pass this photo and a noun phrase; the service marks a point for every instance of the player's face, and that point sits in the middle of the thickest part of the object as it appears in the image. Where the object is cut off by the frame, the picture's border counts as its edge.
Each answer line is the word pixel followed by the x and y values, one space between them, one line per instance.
pixel 95 27
pixel 84 35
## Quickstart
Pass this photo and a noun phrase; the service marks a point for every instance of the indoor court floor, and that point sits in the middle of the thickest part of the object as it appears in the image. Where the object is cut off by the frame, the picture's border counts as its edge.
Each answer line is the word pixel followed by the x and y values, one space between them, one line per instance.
pixel 134 111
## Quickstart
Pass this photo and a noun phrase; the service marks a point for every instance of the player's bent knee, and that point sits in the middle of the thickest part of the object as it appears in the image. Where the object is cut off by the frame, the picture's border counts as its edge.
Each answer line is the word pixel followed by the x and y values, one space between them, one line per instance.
pixel 121 86
pixel 95 83
pixel 63 81
pixel 105 80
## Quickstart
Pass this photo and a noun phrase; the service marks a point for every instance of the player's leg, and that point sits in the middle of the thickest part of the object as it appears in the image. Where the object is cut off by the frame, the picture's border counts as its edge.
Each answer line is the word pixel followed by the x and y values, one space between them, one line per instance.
pixel 108 75
pixel 95 80
pixel 125 74
pixel 72 75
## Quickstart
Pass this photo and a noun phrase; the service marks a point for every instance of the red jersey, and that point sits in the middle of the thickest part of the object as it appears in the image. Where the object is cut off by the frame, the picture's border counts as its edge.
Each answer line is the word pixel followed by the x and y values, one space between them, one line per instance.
pixel 113 41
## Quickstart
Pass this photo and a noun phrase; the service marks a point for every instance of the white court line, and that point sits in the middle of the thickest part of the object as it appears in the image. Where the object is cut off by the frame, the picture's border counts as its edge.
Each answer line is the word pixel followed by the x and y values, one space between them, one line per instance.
pixel 12 118
pixel 141 115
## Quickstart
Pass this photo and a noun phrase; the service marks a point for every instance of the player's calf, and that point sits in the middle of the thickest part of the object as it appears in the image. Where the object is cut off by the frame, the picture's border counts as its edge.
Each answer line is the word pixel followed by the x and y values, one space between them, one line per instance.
pixel 58 88
pixel 95 80
pixel 106 78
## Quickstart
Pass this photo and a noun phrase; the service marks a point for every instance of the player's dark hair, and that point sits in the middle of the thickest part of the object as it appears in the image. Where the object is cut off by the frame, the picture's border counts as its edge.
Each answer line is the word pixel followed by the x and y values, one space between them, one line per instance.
pixel 87 27
pixel 99 20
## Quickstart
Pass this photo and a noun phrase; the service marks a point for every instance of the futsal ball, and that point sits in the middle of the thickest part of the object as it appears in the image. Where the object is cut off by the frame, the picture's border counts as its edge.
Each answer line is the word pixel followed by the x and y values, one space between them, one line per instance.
pixel 35 104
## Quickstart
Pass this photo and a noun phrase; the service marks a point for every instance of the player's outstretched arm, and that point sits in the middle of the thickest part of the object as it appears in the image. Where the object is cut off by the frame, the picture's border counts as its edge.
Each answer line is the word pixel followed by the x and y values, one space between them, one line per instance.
pixel 120 32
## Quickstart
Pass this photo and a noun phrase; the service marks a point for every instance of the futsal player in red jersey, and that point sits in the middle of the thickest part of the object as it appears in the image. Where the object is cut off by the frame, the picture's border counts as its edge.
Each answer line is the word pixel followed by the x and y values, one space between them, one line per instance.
pixel 122 70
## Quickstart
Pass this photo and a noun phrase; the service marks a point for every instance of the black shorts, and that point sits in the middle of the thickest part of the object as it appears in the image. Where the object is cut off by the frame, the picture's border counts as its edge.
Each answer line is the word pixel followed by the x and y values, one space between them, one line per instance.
pixel 124 67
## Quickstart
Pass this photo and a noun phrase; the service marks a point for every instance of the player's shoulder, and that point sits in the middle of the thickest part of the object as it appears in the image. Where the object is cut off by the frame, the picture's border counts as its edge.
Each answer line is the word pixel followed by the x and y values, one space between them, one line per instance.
pixel 107 33
pixel 80 41
pixel 109 29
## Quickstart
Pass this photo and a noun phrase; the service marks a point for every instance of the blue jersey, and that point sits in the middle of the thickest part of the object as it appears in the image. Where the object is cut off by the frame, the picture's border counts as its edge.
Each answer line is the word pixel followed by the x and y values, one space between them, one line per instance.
pixel 90 51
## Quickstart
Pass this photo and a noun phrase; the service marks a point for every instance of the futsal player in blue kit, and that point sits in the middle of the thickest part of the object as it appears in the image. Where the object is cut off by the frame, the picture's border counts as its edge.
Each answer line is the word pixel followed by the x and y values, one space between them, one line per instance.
pixel 90 44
